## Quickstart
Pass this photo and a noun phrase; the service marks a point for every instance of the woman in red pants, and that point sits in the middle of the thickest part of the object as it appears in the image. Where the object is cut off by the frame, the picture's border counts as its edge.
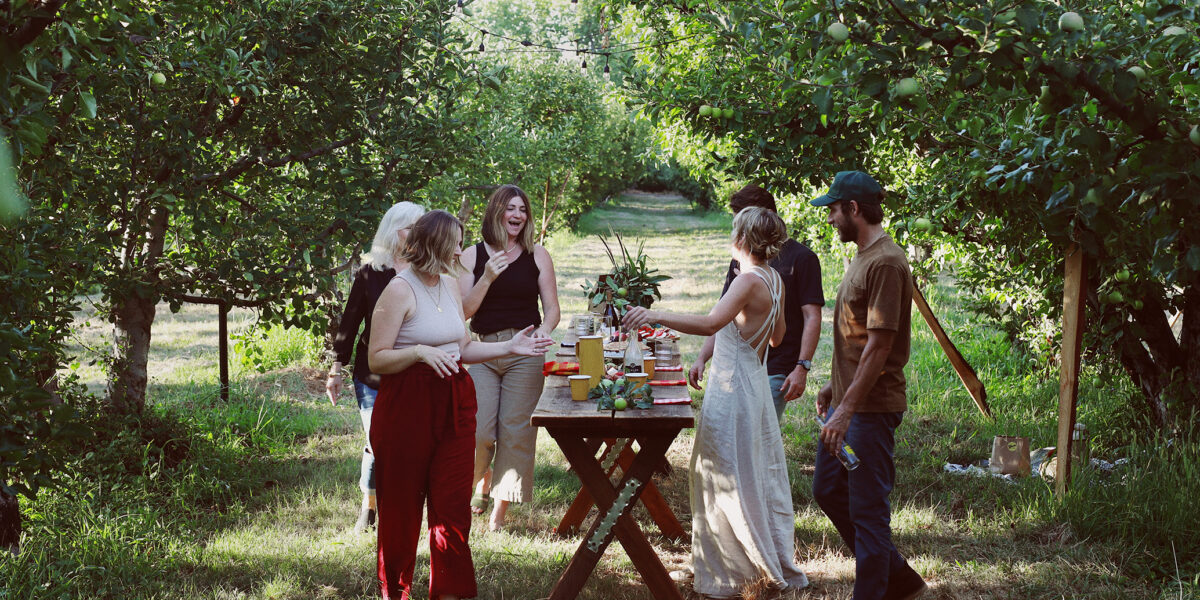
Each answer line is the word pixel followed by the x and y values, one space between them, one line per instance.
pixel 423 432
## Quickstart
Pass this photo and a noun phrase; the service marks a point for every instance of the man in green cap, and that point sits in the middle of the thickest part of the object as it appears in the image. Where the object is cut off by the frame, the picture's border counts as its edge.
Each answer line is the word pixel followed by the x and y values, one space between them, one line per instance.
pixel 865 400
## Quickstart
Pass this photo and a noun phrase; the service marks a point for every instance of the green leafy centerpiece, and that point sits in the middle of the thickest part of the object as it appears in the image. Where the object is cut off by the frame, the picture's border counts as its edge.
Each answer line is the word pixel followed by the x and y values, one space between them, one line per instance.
pixel 630 283
pixel 620 393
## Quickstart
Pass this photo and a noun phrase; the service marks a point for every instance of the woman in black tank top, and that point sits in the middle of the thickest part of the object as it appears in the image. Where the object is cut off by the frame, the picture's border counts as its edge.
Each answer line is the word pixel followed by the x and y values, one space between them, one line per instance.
pixel 507 273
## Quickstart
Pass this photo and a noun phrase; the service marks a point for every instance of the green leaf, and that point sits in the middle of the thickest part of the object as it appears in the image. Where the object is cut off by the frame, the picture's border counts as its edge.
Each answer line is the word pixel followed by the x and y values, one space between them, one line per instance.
pixel 89 104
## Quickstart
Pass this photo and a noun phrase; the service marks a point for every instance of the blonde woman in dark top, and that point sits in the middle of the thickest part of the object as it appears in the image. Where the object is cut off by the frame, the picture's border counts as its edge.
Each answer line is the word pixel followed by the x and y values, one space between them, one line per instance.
pixel 424 433
pixel 505 276
pixel 380 265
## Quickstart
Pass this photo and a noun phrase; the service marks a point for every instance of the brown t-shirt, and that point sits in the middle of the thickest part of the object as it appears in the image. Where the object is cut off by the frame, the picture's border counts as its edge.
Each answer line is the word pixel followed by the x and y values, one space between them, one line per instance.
pixel 875 293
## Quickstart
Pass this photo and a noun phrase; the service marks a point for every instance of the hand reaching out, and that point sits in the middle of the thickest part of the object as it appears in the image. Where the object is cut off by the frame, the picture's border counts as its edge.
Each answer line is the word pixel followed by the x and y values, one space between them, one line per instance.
pixel 530 343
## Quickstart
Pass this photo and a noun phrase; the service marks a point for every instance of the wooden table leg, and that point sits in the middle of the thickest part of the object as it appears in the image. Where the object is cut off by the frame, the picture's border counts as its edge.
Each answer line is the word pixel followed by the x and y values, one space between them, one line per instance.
pixel 592 475
pixel 654 502
pixel 651 498
pixel 577 512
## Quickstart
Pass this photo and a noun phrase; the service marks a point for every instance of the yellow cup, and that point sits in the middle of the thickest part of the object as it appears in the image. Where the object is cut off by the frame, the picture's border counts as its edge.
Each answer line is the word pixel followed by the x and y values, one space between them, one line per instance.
pixel 648 362
pixel 590 350
pixel 580 384
pixel 636 380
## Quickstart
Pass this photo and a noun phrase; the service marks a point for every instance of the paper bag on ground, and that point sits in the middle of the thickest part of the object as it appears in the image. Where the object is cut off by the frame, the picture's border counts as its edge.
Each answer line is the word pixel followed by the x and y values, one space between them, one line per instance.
pixel 1010 455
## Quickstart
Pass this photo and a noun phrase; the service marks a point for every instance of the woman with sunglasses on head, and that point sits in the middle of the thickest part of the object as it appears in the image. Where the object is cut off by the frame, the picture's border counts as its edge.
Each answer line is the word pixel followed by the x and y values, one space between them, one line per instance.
pixel 380 265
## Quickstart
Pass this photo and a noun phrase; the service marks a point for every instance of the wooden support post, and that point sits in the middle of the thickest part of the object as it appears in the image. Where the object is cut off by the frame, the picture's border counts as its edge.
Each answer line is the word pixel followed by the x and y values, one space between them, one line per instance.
pixel 1074 287
pixel 966 374
pixel 223 348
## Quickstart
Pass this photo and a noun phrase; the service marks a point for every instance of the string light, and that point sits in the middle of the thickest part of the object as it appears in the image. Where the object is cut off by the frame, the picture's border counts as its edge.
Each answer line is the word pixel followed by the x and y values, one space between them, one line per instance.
pixel 606 70
pixel 583 65
pixel 579 50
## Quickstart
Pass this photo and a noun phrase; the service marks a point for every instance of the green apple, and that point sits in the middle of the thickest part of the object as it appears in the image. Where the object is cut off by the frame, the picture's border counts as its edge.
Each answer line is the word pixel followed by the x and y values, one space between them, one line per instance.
pixel 1122 275
pixel 727 113
pixel 907 87
pixel 1070 21
pixel 922 224
pixel 158 79
pixel 1092 197
pixel 706 110
pixel 1137 305
pixel 622 292
pixel 1138 72
pixel 838 32
pixel 1194 136
pixel 1174 30
pixel 620 403
pixel 1116 297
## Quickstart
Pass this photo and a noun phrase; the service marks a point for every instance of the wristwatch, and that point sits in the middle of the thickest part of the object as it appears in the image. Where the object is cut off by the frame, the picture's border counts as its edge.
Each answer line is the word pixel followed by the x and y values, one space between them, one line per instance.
pixel 807 364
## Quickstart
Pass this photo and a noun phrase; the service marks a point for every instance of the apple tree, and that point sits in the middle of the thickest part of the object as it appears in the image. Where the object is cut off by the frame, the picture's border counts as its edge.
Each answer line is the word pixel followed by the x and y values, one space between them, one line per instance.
pixel 226 153
pixel 1016 128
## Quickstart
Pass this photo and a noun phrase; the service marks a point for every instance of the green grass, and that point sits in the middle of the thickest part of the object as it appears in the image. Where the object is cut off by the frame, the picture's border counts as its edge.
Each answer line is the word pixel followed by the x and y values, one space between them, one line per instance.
pixel 254 497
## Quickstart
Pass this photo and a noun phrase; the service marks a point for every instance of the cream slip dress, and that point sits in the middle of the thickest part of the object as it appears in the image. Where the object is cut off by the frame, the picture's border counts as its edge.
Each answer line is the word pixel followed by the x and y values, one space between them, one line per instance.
pixel 742 521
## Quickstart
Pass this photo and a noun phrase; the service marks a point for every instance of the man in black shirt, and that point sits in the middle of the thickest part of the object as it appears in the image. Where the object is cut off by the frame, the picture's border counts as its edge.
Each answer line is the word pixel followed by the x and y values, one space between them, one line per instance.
pixel 789 362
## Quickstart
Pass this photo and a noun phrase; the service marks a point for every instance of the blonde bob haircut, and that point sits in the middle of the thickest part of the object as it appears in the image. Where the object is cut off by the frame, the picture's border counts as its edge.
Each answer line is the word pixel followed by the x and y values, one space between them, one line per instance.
pixel 387 238
pixel 431 245
pixel 759 232
pixel 493 219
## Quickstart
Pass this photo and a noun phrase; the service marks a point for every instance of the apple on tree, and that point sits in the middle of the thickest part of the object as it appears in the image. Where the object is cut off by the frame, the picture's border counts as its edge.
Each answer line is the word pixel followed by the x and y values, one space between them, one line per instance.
pixel 158 79
pixel 1194 136
pixel 838 32
pixel 1138 72
pixel 1070 22
pixel 907 87
pixel 706 110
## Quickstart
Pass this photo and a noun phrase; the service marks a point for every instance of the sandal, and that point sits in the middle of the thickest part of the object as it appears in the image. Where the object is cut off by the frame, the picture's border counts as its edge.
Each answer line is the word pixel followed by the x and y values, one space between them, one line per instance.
pixel 479 504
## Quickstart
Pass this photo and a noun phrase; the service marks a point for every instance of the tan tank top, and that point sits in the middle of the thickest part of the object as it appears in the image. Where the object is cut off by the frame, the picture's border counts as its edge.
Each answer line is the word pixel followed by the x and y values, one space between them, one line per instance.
pixel 435 320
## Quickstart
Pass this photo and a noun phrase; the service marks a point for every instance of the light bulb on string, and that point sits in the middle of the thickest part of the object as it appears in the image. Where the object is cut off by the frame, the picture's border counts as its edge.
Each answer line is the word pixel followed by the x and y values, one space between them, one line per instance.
pixel 481 48
pixel 583 65
pixel 606 69
pixel 460 4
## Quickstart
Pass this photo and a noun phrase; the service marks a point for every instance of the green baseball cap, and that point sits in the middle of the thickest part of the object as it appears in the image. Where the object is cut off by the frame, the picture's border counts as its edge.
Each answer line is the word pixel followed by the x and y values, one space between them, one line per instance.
pixel 851 185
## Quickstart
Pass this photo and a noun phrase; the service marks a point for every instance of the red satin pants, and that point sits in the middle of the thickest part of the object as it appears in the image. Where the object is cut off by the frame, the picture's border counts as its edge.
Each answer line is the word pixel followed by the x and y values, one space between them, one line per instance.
pixel 423 438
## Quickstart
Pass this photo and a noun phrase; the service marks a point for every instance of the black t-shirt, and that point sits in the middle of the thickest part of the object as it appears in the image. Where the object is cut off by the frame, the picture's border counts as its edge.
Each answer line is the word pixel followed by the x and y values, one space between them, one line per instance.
pixel 801 273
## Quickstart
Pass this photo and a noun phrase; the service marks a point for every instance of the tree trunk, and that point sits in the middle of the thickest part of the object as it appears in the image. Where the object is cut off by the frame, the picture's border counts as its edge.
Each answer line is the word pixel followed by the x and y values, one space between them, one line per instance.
pixel 10 523
pixel 133 316
pixel 1189 340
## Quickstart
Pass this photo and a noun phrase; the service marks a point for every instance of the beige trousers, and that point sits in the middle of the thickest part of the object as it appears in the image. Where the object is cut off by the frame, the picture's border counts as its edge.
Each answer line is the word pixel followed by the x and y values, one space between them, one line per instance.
pixel 507 391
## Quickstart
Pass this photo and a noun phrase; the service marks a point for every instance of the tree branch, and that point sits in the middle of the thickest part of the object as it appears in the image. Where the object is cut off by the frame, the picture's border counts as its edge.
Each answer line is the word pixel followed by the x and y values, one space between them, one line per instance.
pixel 36 25
pixel 245 163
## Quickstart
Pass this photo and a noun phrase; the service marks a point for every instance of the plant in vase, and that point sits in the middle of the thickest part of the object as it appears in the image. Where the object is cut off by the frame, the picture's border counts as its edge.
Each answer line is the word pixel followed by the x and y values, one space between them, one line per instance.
pixel 630 283
pixel 620 393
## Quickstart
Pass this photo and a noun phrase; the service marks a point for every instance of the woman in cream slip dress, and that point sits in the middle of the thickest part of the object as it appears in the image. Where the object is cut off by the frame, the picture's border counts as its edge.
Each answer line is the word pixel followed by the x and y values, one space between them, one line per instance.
pixel 741 503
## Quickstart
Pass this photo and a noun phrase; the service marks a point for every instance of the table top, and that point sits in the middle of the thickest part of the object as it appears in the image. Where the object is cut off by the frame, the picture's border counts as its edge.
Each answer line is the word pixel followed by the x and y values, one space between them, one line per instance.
pixel 556 409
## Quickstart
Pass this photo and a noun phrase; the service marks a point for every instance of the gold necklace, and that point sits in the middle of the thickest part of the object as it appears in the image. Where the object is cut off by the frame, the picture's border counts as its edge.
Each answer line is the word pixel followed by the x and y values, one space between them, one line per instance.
pixel 436 303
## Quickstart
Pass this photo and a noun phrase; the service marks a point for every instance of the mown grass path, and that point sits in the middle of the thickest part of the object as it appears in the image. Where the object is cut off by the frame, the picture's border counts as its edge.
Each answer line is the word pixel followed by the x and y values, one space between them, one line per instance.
pixel 288 534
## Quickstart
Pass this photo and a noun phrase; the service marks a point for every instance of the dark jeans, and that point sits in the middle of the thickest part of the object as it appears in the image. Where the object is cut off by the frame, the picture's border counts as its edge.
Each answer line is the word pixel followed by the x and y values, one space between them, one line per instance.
pixel 857 502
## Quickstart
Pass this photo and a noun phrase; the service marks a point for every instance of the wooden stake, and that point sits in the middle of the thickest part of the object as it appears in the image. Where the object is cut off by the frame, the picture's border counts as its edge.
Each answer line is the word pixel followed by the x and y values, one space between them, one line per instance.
pixel 965 373
pixel 1074 285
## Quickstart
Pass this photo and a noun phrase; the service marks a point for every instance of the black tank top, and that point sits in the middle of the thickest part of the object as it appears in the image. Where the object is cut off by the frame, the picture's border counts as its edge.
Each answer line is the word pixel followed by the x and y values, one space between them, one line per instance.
pixel 512 300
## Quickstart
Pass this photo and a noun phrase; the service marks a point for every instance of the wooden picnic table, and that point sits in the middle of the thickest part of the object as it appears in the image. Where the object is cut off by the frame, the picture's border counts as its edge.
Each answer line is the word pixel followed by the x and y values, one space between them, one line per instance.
pixel 580 431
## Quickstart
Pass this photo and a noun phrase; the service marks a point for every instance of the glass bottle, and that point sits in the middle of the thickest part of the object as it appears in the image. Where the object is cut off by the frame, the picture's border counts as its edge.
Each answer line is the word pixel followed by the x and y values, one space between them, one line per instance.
pixel 845 454
pixel 633 356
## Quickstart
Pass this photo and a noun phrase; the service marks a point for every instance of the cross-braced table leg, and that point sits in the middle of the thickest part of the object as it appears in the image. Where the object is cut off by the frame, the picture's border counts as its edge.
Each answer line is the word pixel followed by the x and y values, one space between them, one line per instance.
pixel 651 497
pixel 590 472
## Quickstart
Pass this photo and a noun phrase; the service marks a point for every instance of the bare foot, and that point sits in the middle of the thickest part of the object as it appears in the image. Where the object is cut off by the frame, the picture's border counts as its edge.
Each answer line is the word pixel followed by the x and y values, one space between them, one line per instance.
pixel 496 522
